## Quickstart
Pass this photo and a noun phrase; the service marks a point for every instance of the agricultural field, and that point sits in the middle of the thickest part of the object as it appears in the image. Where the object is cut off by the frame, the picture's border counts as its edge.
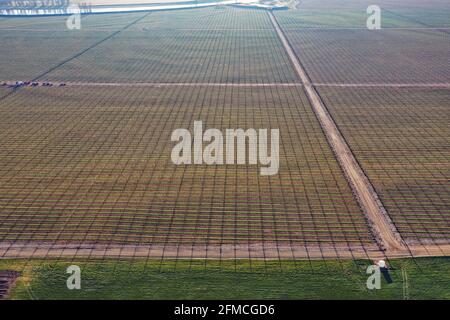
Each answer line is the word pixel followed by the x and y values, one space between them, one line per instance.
pixel 206 46
pixel 94 166
pixel 400 136
pixel 431 14
pixel 240 56
pixel 213 18
pixel 336 14
pixel 4 91
pixel 352 14
pixel 239 47
pixel 87 177
pixel 35 47
pixel 363 56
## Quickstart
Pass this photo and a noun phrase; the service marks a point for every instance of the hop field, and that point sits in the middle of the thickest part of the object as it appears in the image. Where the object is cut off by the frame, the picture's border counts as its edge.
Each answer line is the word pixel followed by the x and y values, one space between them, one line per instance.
pixel 213 18
pixel 205 56
pixel 401 139
pixel 93 165
pixel 363 56
pixel 34 47
pixel 86 175
pixel 352 14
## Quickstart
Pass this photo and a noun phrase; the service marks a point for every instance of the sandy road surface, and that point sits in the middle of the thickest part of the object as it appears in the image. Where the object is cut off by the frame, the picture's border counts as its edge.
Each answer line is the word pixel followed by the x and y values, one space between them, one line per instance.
pixel 269 250
pixel 27 250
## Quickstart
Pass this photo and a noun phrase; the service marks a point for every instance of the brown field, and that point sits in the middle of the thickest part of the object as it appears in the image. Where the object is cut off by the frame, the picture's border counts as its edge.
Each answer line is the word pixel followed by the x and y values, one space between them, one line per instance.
pixel 363 56
pixel 93 165
pixel 89 164
pixel 401 139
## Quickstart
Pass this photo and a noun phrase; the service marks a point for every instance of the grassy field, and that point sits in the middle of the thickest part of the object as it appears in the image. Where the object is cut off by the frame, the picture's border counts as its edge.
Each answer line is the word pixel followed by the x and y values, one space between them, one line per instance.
pixel 243 279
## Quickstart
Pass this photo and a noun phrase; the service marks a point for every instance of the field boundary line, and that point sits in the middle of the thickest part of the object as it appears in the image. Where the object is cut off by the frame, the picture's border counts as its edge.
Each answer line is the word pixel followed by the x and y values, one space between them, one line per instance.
pixel 259 251
pixel 381 225
pixel 13 83
pixel 383 85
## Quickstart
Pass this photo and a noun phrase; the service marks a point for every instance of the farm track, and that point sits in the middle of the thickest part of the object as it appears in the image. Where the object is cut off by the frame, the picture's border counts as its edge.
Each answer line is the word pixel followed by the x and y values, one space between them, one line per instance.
pixel 242 251
pixel 163 84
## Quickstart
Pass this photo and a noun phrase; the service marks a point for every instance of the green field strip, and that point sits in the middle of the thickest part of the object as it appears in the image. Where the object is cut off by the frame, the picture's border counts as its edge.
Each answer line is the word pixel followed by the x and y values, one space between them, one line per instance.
pixel 214 279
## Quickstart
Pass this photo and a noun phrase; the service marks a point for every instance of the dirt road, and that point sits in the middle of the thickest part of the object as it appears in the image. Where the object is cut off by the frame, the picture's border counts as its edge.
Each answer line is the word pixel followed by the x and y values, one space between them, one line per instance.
pixel 269 250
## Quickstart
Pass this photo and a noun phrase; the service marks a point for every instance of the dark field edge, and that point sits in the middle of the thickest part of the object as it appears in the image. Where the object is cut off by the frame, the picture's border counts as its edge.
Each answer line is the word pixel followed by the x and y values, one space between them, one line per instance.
pixel 425 278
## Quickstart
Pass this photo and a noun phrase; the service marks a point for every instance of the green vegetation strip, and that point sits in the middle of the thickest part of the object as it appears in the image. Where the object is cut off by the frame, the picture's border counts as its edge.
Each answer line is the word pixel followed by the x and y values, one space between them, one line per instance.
pixel 231 279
